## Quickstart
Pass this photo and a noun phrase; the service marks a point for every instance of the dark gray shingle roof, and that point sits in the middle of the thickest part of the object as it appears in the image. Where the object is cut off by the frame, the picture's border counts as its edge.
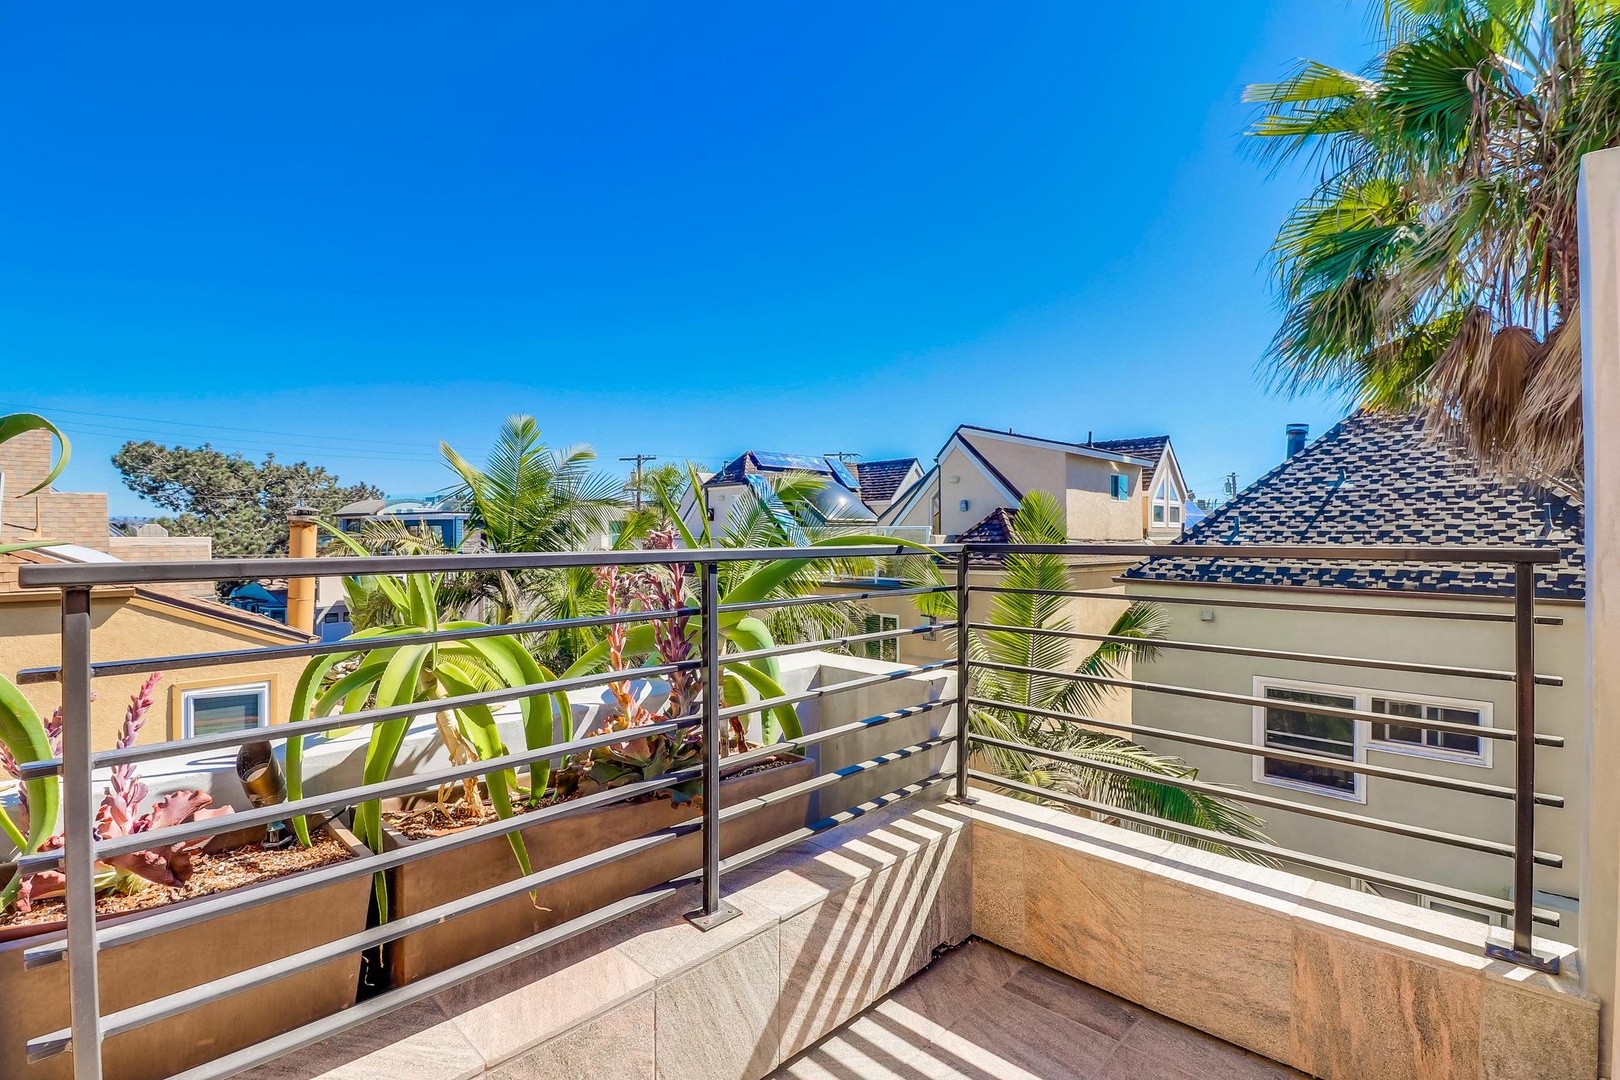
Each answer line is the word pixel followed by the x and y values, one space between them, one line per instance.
pixel 881 479
pixel 1383 480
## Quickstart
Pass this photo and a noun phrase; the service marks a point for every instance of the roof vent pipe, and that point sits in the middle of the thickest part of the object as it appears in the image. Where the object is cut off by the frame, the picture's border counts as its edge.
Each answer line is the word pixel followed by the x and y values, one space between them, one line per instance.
pixel 1296 438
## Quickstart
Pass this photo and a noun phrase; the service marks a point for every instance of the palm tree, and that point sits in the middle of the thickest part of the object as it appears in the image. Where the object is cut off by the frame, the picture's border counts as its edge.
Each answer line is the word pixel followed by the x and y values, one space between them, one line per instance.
pixel 529 497
pixel 1119 772
pixel 1436 263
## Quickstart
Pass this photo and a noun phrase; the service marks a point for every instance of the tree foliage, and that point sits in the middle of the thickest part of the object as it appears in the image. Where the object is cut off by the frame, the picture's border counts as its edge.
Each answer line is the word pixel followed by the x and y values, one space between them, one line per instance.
pixel 1103 768
pixel 1436 263
pixel 242 504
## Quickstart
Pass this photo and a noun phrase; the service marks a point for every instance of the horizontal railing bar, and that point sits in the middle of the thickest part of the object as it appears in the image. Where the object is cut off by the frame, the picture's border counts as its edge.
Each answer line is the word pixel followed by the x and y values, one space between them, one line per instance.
pixel 1500 734
pixel 181 1001
pixel 66 575
pixel 1472 787
pixel 847 639
pixel 1270 851
pixel 1273 605
pixel 1439 553
pixel 374 1007
pixel 829 779
pixel 381 1005
pixel 162 921
pixel 1273 654
pixel 1416 832
pixel 821 825
pixel 822 598
pixel 759 753
pixel 404 785
pixel 323 648
pixel 278 732
pixel 824 691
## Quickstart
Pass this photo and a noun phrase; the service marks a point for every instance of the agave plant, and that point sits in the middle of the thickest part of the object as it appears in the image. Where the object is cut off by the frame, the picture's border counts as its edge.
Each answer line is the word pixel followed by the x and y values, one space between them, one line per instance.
pixel 1040 520
pixel 365 670
pixel 118 815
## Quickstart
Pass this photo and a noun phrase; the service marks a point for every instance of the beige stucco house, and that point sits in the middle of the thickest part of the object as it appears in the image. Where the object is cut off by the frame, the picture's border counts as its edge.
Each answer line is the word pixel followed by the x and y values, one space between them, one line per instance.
pixel 1109 489
pixel 1379 480
pixel 129 623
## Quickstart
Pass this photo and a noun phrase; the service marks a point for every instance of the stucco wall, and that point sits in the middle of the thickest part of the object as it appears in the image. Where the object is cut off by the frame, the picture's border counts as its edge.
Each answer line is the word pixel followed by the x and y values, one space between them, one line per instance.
pixel 123 627
pixel 1560 651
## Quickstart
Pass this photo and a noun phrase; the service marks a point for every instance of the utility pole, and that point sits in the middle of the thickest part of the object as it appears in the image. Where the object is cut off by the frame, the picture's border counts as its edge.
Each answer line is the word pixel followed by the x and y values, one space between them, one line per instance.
pixel 636 483
pixel 1231 485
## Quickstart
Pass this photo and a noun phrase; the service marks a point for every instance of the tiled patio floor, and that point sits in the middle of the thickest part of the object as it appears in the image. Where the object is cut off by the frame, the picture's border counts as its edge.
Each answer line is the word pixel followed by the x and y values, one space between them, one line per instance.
pixel 981 1013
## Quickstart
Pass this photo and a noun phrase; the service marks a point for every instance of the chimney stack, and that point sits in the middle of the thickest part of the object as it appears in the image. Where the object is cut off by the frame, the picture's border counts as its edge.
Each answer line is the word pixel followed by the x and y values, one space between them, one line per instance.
pixel 1296 438
pixel 301 533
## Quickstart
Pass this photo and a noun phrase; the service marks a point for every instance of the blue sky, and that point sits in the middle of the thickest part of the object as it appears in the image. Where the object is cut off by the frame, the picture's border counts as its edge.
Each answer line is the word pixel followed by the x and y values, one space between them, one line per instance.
pixel 346 231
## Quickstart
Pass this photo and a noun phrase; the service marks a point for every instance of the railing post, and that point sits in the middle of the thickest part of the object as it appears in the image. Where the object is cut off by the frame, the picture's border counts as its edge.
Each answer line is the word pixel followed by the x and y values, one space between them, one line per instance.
pixel 1524 776
pixel 714 911
pixel 962 604
pixel 78 824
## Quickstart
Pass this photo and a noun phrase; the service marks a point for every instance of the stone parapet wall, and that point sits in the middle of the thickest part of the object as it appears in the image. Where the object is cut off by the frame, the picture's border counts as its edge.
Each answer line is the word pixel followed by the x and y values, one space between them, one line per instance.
pixel 1339 984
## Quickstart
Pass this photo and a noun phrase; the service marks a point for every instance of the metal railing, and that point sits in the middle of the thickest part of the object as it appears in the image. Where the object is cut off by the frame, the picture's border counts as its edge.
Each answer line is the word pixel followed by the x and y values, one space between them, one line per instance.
pixel 1523 736
pixel 85 939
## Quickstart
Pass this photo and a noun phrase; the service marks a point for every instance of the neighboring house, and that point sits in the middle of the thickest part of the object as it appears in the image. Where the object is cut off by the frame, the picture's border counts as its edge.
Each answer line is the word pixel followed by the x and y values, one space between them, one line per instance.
pixel 1379 480
pixel 880 481
pixel 980 471
pixel 423 513
pixel 129 623
pixel 332 617
pixel 1164 498
pixel 838 502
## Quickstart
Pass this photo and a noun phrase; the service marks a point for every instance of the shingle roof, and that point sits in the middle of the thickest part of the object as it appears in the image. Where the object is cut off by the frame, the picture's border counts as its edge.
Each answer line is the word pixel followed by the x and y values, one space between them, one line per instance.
pixel 1094 448
pixel 1150 449
pixel 1384 480
pixel 994 528
pixel 880 480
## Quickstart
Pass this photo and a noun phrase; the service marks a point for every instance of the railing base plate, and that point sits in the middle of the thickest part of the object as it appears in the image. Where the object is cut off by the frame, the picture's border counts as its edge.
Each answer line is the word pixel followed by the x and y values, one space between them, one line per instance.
pixel 1548 964
pixel 706 921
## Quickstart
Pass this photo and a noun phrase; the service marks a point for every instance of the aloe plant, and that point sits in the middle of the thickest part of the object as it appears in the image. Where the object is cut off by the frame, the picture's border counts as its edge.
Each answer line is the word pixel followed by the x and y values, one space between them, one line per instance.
pixel 366 670
pixel 742 583
pixel 23 734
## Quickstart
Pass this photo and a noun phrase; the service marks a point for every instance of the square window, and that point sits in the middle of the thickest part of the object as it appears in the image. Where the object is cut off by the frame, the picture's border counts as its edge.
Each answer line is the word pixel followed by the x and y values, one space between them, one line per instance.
pixel 1120 485
pixel 1158 512
pixel 881 648
pixel 224 708
pixel 1292 725
pixel 1406 736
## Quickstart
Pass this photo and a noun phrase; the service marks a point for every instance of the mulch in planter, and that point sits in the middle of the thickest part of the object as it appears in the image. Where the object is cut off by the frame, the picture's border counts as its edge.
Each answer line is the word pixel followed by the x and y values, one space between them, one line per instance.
pixel 211 873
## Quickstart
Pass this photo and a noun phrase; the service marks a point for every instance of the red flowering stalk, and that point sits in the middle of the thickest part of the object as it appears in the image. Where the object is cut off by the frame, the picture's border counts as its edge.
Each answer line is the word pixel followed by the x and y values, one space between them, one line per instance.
pixel 119 815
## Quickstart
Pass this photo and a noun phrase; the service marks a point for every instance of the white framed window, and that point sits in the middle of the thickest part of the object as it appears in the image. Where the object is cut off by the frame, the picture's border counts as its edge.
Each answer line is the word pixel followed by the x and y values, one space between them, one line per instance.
pixel 215 709
pixel 881 648
pixel 1292 724
pixel 1166 502
pixel 1396 738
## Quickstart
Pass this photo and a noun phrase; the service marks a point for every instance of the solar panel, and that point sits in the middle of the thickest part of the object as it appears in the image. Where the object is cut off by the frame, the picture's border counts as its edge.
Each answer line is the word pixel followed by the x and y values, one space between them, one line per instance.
pixel 840 473
pixel 798 462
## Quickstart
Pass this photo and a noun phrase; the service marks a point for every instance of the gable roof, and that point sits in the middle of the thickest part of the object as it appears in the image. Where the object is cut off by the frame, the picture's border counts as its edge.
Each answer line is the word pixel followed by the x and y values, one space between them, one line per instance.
pixel 758 461
pixel 880 480
pixel 1149 449
pixel 1009 489
pixel 1091 449
pixel 1377 479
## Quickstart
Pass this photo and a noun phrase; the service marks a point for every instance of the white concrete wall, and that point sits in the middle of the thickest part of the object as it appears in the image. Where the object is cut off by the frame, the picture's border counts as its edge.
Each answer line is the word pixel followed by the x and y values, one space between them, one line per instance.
pixel 1600 339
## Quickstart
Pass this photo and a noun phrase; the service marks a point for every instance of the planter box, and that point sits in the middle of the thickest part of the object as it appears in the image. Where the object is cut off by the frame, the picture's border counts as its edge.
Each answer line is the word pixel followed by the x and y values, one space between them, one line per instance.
pixel 418 886
pixel 36 1002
